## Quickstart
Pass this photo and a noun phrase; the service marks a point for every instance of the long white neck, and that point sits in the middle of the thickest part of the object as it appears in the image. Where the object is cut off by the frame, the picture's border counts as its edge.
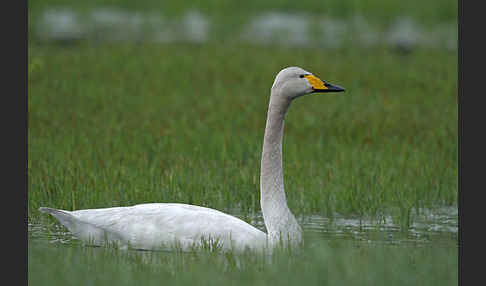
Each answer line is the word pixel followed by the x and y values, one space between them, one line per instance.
pixel 280 222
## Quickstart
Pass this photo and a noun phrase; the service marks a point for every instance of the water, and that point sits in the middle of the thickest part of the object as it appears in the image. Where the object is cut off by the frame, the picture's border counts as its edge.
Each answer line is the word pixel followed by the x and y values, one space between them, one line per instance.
pixel 338 251
pixel 429 227
pixel 437 226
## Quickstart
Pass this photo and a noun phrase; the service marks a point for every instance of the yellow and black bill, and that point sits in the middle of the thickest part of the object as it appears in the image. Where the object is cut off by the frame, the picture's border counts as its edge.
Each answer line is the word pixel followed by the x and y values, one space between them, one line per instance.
pixel 319 85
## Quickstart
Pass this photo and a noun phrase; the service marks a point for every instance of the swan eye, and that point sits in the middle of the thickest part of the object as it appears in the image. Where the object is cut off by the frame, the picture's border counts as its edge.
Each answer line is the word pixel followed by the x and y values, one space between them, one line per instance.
pixel 301 76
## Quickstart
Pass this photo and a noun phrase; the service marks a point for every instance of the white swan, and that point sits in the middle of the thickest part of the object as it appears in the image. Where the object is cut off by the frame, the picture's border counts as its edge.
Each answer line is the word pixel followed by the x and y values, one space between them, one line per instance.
pixel 161 225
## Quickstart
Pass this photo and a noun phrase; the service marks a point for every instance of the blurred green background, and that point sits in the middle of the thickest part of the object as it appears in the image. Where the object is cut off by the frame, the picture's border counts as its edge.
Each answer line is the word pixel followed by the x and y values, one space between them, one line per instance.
pixel 321 23
pixel 379 10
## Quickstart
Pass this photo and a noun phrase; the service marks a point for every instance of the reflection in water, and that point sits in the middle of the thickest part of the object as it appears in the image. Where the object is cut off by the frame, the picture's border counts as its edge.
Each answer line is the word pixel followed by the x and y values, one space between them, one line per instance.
pixel 429 226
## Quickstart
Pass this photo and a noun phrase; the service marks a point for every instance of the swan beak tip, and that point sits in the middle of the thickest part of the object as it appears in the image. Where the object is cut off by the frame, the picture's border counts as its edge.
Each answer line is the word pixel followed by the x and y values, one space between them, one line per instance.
pixel 333 87
pixel 319 85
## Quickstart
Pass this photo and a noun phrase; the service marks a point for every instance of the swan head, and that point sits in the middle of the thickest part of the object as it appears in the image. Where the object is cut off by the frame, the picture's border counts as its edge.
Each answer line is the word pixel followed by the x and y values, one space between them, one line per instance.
pixel 293 82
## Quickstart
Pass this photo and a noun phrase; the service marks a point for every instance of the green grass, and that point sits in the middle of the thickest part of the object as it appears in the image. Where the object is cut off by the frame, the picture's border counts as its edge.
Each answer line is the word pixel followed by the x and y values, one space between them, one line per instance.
pixel 113 125
pixel 324 263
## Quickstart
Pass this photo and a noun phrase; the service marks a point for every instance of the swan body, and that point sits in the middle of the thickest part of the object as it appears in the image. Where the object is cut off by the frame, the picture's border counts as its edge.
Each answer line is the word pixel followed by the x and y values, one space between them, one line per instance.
pixel 167 225
pixel 160 226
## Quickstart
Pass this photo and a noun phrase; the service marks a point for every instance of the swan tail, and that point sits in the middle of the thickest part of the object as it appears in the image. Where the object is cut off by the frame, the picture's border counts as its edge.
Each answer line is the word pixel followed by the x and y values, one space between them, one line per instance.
pixel 64 217
pixel 89 232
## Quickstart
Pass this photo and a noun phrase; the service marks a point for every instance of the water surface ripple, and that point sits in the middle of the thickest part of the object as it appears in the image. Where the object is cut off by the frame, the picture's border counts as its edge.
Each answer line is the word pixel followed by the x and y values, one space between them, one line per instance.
pixel 438 226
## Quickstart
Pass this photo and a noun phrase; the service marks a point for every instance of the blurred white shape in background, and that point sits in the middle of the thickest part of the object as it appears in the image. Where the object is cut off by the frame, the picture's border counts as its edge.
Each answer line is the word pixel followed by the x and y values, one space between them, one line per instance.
pixel 404 34
pixel 195 27
pixel 334 32
pixel 270 28
pixel 60 24
pixel 115 25
pixel 364 33
pixel 278 28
